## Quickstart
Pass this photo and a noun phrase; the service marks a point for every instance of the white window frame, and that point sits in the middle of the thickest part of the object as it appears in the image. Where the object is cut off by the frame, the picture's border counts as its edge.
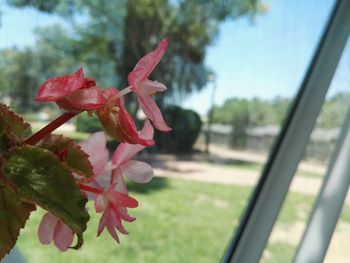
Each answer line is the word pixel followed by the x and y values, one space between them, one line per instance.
pixel 268 196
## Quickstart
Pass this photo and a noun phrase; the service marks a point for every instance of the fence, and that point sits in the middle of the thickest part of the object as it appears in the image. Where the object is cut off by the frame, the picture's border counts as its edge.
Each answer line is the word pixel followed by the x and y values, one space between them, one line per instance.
pixel 261 139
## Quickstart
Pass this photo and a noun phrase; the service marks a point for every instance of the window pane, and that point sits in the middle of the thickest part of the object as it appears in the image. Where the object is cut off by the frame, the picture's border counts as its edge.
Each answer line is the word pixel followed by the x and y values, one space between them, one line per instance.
pixel 338 248
pixel 306 184
pixel 249 68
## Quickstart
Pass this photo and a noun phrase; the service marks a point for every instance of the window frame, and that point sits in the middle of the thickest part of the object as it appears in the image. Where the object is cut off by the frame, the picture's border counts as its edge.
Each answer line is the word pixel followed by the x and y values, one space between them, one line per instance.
pixel 266 201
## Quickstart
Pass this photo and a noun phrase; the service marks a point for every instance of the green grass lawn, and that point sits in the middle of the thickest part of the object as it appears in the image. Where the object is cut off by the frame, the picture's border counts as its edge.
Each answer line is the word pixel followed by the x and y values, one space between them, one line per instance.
pixel 177 221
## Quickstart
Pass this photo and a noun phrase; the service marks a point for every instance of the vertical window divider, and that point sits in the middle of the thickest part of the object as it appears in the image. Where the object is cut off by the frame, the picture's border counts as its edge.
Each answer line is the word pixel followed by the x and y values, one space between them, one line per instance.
pixel 329 203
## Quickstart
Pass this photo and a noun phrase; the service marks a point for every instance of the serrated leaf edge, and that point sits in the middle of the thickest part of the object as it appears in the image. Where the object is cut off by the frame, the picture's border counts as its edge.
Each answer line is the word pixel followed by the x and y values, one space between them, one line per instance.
pixel 20 229
pixel 76 146
pixel 26 124
pixel 80 240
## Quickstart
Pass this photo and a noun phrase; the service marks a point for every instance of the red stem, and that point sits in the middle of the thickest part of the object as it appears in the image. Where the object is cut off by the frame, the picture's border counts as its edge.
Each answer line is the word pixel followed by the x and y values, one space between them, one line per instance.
pixel 90 189
pixel 38 136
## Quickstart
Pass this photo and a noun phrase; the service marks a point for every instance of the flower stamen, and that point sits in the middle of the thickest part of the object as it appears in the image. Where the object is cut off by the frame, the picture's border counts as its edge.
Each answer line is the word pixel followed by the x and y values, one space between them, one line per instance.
pixel 120 94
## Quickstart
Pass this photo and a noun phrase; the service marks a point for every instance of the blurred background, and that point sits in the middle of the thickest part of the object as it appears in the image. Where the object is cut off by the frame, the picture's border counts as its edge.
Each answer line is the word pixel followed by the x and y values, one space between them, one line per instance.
pixel 232 70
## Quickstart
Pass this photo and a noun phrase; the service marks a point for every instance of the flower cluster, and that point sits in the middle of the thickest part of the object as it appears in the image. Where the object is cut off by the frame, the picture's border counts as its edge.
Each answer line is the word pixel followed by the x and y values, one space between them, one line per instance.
pixel 34 168
pixel 106 188
pixel 77 93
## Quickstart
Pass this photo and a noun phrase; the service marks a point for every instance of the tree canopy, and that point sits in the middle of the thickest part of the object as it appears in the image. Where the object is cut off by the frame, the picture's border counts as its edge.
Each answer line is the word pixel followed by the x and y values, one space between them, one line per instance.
pixel 241 112
pixel 108 37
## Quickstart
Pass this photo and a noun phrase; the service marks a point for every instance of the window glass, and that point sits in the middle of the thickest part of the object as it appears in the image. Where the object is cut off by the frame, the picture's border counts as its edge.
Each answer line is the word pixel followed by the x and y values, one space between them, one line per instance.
pixel 338 250
pixel 338 247
pixel 236 64
pixel 306 184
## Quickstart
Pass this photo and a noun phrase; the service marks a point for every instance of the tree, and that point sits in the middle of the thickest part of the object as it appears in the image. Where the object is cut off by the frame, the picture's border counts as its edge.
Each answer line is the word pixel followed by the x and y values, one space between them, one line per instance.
pixel 17 80
pixel 261 112
pixel 240 122
pixel 110 36
pixel 334 111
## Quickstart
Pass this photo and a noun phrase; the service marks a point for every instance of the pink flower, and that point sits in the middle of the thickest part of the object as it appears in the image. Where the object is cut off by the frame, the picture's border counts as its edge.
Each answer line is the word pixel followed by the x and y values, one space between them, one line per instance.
pixel 145 88
pixel 123 166
pixel 95 148
pixel 53 229
pixel 72 92
pixel 117 121
pixel 109 191
pixel 113 205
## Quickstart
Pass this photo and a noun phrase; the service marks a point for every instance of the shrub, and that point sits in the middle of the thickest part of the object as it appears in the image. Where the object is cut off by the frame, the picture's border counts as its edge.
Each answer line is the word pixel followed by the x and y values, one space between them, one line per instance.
pixel 86 123
pixel 186 126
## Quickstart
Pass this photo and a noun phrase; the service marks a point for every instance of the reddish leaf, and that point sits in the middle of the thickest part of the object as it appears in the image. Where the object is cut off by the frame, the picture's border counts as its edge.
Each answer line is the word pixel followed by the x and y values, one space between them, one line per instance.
pixel 39 177
pixel 69 153
pixel 13 216
pixel 13 129
pixel 59 87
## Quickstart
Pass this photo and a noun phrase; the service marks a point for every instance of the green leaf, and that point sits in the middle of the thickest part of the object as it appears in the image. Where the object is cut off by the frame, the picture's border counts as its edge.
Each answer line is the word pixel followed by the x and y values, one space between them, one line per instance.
pixel 41 178
pixel 13 215
pixel 13 129
pixel 70 153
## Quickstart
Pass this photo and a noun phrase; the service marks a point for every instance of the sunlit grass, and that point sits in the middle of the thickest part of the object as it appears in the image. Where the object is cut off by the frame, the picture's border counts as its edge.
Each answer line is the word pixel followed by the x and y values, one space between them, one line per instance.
pixel 177 221
pixel 279 252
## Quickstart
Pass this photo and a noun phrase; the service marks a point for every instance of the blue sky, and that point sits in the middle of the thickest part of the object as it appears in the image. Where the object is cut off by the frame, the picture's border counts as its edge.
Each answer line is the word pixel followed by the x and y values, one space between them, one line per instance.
pixel 267 58
pixel 263 59
pixel 17 25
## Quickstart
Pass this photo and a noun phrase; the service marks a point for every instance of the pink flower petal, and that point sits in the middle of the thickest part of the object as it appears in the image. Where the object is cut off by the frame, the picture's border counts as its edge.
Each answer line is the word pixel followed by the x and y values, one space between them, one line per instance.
pixel 151 110
pixel 118 182
pixel 146 64
pixel 118 223
pixel 121 200
pixel 147 131
pixel 104 180
pixel 126 151
pixel 115 212
pixel 129 130
pixel 83 99
pixel 103 221
pixel 47 228
pixel 143 88
pixel 137 171
pixel 101 203
pixel 123 212
pixel 112 231
pixel 63 236
pixel 59 87
pixel 117 122
pixel 95 147
pixel 111 227
pixel 148 87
